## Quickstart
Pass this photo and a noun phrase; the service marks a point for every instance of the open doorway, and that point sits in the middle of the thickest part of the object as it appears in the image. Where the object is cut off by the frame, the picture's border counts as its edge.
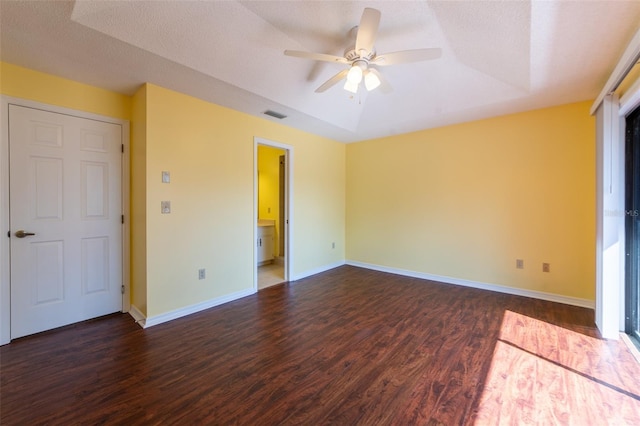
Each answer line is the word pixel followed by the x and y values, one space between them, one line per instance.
pixel 272 213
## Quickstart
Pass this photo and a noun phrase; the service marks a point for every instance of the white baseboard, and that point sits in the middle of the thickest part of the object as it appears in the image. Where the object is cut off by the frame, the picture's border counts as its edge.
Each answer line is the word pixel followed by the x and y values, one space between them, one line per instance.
pixel 567 300
pixel 146 322
pixel 137 315
pixel 315 271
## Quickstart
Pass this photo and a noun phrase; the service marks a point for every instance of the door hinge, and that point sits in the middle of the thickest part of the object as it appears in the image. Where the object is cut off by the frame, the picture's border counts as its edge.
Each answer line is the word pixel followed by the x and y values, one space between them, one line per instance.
pixel 122 219
pixel 122 289
pixel 122 148
pixel 8 234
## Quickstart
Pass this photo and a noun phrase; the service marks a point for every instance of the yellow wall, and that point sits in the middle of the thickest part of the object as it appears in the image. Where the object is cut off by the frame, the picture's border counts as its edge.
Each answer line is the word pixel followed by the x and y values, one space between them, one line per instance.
pixel 466 201
pixel 36 86
pixel 462 201
pixel 138 151
pixel 269 188
pixel 209 151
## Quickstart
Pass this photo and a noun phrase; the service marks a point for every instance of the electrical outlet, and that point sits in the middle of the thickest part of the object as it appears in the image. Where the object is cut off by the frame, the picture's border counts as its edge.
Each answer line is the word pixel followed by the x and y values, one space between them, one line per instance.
pixel 202 274
pixel 165 207
pixel 333 245
pixel 546 267
pixel 166 177
pixel 519 263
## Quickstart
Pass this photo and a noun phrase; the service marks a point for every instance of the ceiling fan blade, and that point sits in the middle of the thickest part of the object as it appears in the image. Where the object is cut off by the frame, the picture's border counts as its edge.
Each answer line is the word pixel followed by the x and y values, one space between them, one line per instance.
pixel 384 87
pixel 367 30
pixel 406 56
pixel 332 81
pixel 316 56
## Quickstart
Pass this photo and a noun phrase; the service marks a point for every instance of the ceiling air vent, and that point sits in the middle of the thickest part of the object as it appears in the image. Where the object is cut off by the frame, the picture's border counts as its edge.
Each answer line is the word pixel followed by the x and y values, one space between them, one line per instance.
pixel 277 115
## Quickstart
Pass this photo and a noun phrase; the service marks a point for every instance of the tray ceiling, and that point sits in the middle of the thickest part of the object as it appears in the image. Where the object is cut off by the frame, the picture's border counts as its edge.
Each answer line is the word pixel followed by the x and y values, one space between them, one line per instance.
pixel 498 57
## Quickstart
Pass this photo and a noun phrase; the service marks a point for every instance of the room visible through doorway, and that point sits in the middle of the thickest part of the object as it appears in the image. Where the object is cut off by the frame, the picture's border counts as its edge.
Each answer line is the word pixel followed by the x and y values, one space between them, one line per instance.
pixel 271 241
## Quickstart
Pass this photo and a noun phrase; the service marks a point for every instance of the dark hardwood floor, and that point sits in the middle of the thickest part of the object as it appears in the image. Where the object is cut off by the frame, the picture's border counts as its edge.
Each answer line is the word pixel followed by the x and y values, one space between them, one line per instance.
pixel 349 346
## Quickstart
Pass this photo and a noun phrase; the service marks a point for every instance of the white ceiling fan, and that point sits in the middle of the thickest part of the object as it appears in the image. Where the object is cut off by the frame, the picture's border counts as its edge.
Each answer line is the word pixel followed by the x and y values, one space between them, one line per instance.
pixel 362 56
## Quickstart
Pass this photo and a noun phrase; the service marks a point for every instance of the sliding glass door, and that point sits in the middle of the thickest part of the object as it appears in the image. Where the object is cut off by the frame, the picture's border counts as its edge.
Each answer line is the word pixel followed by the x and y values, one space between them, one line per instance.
pixel 632 163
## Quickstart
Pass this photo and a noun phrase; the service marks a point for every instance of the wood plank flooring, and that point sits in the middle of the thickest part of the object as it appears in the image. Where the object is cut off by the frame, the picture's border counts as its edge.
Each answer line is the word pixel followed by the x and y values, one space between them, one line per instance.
pixel 346 347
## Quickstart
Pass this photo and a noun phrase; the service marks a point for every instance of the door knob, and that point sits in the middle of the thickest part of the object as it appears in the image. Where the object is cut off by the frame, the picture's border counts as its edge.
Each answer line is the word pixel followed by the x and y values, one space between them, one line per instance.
pixel 22 234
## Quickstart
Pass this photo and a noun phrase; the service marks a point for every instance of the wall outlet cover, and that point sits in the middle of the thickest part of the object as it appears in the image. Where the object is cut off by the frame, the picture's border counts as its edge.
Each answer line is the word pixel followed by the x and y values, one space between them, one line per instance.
pixel 165 207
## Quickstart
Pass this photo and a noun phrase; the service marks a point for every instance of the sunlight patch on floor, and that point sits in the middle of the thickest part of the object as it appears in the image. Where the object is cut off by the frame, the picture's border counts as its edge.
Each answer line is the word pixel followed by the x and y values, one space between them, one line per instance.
pixel 545 374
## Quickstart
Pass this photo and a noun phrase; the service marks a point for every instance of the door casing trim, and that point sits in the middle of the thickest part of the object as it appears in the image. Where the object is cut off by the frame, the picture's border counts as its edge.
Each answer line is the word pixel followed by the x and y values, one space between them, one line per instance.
pixel 5 255
pixel 289 250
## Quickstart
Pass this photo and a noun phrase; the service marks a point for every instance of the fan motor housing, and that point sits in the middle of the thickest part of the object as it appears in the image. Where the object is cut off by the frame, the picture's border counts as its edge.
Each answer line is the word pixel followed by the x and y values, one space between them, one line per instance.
pixel 351 54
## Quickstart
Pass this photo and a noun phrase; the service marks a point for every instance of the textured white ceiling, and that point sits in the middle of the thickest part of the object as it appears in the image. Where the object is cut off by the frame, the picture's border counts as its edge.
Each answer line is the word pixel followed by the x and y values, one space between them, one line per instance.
pixel 498 56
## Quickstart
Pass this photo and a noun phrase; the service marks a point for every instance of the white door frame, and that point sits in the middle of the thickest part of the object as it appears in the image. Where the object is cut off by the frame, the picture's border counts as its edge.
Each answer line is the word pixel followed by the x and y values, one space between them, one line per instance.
pixel 5 277
pixel 610 193
pixel 288 206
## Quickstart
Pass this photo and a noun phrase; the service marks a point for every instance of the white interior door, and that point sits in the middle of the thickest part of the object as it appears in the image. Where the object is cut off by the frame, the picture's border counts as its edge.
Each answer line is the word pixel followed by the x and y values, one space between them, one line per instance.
pixel 65 189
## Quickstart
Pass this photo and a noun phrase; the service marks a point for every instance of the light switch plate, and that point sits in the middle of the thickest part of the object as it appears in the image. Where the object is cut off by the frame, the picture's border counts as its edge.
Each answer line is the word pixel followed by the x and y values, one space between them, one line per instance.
pixel 165 207
pixel 166 177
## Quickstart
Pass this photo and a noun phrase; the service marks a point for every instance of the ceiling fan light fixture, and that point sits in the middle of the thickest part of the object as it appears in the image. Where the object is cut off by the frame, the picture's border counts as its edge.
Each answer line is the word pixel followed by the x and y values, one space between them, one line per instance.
pixel 362 53
pixel 355 74
pixel 351 86
pixel 371 80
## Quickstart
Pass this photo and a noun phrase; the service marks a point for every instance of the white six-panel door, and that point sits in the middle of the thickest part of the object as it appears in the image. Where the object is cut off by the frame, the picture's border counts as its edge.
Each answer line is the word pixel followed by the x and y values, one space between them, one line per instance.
pixel 65 188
